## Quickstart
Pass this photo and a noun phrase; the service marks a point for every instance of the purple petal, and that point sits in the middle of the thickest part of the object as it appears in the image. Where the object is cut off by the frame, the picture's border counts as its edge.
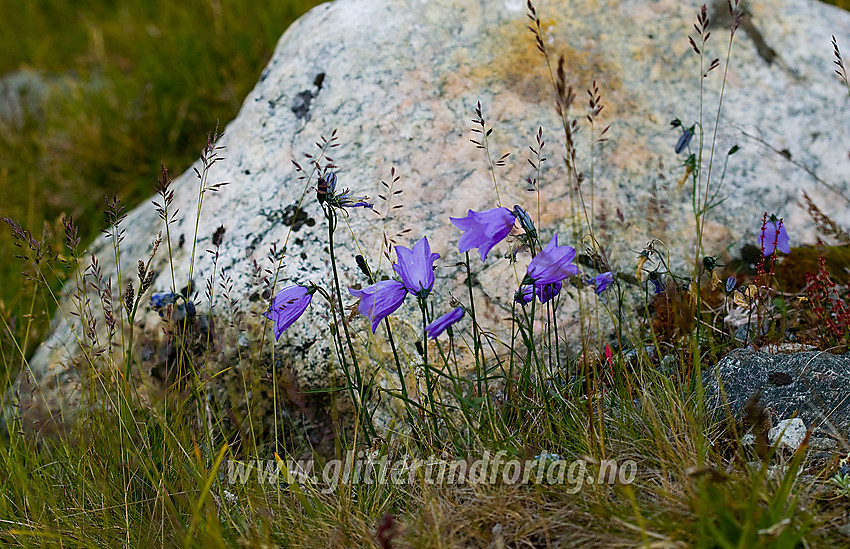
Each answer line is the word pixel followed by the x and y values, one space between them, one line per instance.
pixel 380 300
pixel 553 264
pixel 287 306
pixel 767 240
pixel 525 294
pixel 548 292
pixel 602 281
pixel 416 267
pixel 483 230
pixel 439 326
pixel 783 242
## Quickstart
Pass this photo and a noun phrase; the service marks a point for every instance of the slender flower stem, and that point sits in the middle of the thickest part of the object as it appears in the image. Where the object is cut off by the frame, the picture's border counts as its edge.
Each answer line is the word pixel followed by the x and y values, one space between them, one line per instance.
pixel 476 336
pixel 429 384
pixel 401 378
pixel 358 379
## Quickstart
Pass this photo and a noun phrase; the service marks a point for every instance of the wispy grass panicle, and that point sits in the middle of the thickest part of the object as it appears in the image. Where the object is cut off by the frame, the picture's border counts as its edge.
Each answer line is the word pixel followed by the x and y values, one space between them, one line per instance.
pixel 826 226
pixel 390 197
pixel 168 214
pixel 482 142
pixel 841 71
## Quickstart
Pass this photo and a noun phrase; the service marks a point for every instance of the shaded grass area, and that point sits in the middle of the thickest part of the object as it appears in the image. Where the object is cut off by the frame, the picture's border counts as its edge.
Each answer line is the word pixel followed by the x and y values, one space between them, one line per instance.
pixel 109 91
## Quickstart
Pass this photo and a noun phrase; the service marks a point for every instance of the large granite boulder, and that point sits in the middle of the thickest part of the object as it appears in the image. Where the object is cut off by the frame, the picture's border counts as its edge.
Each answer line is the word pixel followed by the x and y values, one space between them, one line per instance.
pixel 399 80
pixel 810 386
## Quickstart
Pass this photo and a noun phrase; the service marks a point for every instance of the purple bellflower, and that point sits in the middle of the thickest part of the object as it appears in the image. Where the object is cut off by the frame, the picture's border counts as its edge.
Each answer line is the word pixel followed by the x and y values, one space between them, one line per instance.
pixel 553 264
pixel 441 324
pixel 549 291
pixel 685 139
pixel 287 306
pixel 525 221
pixel 326 193
pixel 483 230
pixel 602 281
pixel 657 282
pixel 160 300
pixel 380 300
pixel 525 294
pixel 416 267
pixel 773 236
pixel 544 293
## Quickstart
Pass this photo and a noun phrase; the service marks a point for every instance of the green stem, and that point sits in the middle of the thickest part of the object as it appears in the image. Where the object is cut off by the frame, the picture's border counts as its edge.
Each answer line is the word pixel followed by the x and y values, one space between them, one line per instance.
pixel 429 384
pixel 401 379
pixel 330 214
pixel 476 337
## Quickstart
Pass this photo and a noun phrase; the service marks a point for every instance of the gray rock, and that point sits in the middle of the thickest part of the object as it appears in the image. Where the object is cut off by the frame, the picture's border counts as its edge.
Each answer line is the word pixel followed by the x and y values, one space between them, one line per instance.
pixel 788 434
pixel 399 81
pixel 812 385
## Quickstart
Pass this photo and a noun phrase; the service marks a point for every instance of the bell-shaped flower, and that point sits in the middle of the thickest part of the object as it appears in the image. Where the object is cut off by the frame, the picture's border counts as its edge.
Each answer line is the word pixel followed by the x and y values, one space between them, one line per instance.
pixel 525 222
pixel 553 264
pixel 440 325
pixel 525 294
pixel 544 293
pixel 773 237
pixel 380 300
pixel 685 139
pixel 483 230
pixel 657 282
pixel 548 292
pixel 287 306
pixel 416 267
pixel 602 281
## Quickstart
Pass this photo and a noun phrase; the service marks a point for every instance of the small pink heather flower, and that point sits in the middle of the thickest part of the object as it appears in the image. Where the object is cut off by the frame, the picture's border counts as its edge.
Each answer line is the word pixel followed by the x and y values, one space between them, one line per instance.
pixel 773 236
pixel 287 306
pixel 440 325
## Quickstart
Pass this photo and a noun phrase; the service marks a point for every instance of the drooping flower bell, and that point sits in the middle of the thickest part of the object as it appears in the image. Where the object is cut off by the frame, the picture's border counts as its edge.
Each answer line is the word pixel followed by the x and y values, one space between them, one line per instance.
pixel 287 306
pixel 441 324
pixel 685 139
pixel 326 193
pixel 483 230
pixel 602 281
pixel 553 264
pixel 544 293
pixel 657 282
pixel 380 300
